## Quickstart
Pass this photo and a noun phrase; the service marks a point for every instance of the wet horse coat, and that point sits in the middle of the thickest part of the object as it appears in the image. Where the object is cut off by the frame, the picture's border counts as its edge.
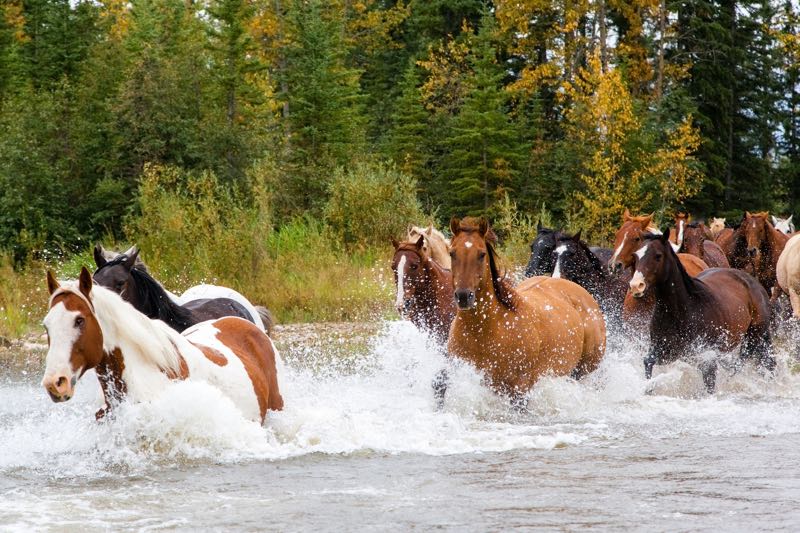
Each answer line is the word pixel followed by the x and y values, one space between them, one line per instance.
pixel 697 241
pixel 516 335
pixel 90 327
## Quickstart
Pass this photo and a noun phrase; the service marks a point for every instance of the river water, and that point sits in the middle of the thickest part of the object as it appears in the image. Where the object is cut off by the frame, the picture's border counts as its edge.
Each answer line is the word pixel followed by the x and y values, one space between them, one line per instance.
pixel 360 446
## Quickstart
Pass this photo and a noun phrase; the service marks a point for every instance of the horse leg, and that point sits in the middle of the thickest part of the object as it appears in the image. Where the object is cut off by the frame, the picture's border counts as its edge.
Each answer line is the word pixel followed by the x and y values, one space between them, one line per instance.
pixel 757 345
pixel 794 298
pixel 649 363
pixel 709 371
pixel 439 384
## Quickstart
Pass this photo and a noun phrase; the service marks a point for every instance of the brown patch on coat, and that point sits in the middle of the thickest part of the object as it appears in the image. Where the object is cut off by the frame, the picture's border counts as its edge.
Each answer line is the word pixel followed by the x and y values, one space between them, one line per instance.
pixel 109 374
pixel 215 356
pixel 254 349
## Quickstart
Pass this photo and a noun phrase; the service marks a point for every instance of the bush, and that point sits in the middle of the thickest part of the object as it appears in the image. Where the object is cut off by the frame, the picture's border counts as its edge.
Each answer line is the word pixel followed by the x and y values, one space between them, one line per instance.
pixel 371 203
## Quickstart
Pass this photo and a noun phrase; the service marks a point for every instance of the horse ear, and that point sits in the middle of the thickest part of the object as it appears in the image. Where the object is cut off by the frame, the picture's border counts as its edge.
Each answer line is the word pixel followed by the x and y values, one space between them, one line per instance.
pixel 52 283
pixel 774 220
pixel 665 234
pixel 577 236
pixel 420 242
pixel 789 219
pixel 483 226
pixel 131 260
pixel 99 258
pixel 429 231
pixel 538 226
pixel 747 214
pixel 85 282
pixel 455 226
pixel 626 215
pixel 395 243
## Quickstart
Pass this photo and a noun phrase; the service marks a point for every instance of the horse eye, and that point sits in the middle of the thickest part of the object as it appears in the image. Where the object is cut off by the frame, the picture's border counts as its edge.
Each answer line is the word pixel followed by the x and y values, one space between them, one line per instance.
pixel 637 239
pixel 79 321
pixel 481 256
pixel 413 267
pixel 453 254
pixel 659 256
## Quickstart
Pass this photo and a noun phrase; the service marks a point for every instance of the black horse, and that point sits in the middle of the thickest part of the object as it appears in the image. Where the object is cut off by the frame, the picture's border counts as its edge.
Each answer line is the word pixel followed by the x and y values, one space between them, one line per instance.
pixel 543 247
pixel 130 280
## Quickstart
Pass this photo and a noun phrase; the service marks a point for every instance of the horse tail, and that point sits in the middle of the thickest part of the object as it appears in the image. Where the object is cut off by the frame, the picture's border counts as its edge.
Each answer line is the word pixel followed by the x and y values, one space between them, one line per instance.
pixel 267 318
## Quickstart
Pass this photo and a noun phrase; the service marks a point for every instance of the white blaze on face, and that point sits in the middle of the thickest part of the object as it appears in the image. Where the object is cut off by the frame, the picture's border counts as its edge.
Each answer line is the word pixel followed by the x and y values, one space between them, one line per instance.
pixel 468 244
pixel 60 324
pixel 619 249
pixel 680 233
pixel 636 281
pixel 557 270
pixel 401 272
pixel 640 253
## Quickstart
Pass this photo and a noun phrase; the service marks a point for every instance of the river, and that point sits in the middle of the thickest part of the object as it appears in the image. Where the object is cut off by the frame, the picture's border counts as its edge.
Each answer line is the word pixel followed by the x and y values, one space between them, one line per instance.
pixel 360 446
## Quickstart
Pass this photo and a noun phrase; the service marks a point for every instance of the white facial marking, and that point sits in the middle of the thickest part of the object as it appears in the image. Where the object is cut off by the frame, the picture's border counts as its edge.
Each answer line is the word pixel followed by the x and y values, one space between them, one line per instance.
pixel 60 324
pixel 557 270
pixel 654 231
pixel 680 232
pixel 636 280
pixel 619 248
pixel 401 272
pixel 641 252
pixel 468 244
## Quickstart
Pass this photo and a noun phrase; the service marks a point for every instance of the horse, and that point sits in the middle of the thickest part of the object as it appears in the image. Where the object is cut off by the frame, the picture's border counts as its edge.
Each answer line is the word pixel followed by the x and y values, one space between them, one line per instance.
pixel 787 273
pixel 629 238
pixel 576 262
pixel 720 308
pixel 436 245
pixel 204 302
pixel 545 325
pixel 697 241
pixel 424 289
pixel 716 226
pixel 755 247
pixel 676 234
pixel 542 260
pixel 784 225
pixel 91 327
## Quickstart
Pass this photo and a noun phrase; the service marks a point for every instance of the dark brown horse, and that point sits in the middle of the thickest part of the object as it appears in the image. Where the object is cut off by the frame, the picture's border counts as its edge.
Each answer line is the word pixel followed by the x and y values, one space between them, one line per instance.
pixel 755 247
pixel 424 289
pixel 721 308
pixel 697 241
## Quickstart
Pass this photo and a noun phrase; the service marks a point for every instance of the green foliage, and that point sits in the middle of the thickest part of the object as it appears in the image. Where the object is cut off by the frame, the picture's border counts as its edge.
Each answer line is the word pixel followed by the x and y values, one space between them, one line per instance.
pixel 370 203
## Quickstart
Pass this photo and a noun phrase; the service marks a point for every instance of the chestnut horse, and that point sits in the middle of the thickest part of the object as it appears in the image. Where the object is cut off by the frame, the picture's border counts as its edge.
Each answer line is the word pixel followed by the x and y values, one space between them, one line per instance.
pixel 720 308
pixel 516 335
pixel 677 233
pixel 697 241
pixel 90 327
pixel 424 289
pixel 755 247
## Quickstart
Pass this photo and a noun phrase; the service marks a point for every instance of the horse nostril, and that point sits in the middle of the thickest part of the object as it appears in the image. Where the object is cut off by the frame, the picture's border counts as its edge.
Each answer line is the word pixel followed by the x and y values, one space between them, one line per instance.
pixel 60 381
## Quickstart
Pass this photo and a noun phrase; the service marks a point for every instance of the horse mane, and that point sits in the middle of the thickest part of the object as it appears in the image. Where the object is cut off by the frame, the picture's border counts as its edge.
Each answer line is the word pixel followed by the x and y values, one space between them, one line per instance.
pixel 123 326
pixel 693 287
pixel 158 302
pixel 593 259
pixel 503 289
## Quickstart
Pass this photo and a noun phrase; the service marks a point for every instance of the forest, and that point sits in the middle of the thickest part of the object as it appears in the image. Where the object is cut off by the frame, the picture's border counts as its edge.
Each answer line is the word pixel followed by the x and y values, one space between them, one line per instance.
pixel 222 135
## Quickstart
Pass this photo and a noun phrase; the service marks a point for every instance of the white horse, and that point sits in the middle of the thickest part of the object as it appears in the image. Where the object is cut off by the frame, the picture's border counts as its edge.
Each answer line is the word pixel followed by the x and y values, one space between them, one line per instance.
pixel 90 327
pixel 784 225
pixel 716 226
pixel 787 271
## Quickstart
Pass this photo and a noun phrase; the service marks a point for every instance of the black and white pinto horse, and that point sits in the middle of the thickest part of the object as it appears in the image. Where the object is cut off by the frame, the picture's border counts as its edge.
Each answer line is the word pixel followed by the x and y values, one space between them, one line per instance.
pixel 127 275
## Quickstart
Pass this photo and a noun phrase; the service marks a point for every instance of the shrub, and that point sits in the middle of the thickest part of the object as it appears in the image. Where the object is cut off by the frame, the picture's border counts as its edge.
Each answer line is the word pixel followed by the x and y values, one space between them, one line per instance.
pixel 369 203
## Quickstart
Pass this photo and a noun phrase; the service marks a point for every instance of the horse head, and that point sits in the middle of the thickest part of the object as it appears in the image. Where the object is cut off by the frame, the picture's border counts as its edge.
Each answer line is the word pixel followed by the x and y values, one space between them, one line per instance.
pixel 755 227
pixel 784 225
pixel 652 263
pixel 74 337
pixel 628 239
pixel 574 260
pixel 695 234
pixel 475 263
pixel 542 260
pixel 115 274
pixel 408 265
pixel 716 226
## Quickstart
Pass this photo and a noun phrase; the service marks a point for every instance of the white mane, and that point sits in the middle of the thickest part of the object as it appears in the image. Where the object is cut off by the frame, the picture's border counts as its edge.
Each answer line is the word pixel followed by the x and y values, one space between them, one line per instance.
pixel 129 330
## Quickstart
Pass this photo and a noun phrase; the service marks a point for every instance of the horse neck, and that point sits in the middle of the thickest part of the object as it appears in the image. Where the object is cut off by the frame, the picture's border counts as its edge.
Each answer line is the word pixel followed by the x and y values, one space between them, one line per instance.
pixel 441 280
pixel 675 294
pixel 156 303
pixel 487 304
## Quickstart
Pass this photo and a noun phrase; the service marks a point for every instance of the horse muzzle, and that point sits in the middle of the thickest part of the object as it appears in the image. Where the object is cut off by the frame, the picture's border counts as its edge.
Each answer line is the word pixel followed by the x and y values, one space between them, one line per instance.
pixel 752 252
pixel 638 285
pixel 403 308
pixel 465 299
pixel 615 267
pixel 59 388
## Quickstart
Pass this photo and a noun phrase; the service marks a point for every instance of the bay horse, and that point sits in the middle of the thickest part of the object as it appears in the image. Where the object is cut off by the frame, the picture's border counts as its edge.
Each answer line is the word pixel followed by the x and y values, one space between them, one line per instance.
pixel 424 289
pixel 91 327
pixel 514 336
pixel 126 275
pixel 720 308
pixel 436 246
pixel 577 263
pixel 697 241
pixel 755 247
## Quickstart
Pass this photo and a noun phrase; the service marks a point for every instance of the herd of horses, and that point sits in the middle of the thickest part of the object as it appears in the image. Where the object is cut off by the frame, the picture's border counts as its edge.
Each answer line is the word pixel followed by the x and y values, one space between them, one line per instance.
pixel 686 289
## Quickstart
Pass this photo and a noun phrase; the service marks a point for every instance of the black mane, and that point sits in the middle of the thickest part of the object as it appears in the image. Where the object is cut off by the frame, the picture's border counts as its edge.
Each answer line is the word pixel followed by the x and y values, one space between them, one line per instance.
pixel 593 259
pixel 157 302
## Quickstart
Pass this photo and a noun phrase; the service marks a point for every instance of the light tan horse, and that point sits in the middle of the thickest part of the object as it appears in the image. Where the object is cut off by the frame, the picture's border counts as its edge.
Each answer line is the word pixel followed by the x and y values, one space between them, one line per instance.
pixel 436 246
pixel 716 227
pixel 545 325
pixel 788 273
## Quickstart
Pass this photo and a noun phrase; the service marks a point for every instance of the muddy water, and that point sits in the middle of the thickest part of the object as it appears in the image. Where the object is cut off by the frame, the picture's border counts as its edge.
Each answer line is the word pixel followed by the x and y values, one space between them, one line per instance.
pixel 360 446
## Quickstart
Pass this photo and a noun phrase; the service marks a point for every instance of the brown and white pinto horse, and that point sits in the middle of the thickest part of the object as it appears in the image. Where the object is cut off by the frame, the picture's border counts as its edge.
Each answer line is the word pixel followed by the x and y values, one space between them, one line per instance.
pixel 90 327
pixel 516 335
pixel 424 289
pixel 697 241
pixel 721 308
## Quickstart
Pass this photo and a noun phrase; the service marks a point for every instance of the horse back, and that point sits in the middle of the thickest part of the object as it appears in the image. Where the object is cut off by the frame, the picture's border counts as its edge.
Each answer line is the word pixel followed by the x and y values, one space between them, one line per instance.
pixel 693 264
pixel 737 301
pixel 714 256
pixel 211 308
